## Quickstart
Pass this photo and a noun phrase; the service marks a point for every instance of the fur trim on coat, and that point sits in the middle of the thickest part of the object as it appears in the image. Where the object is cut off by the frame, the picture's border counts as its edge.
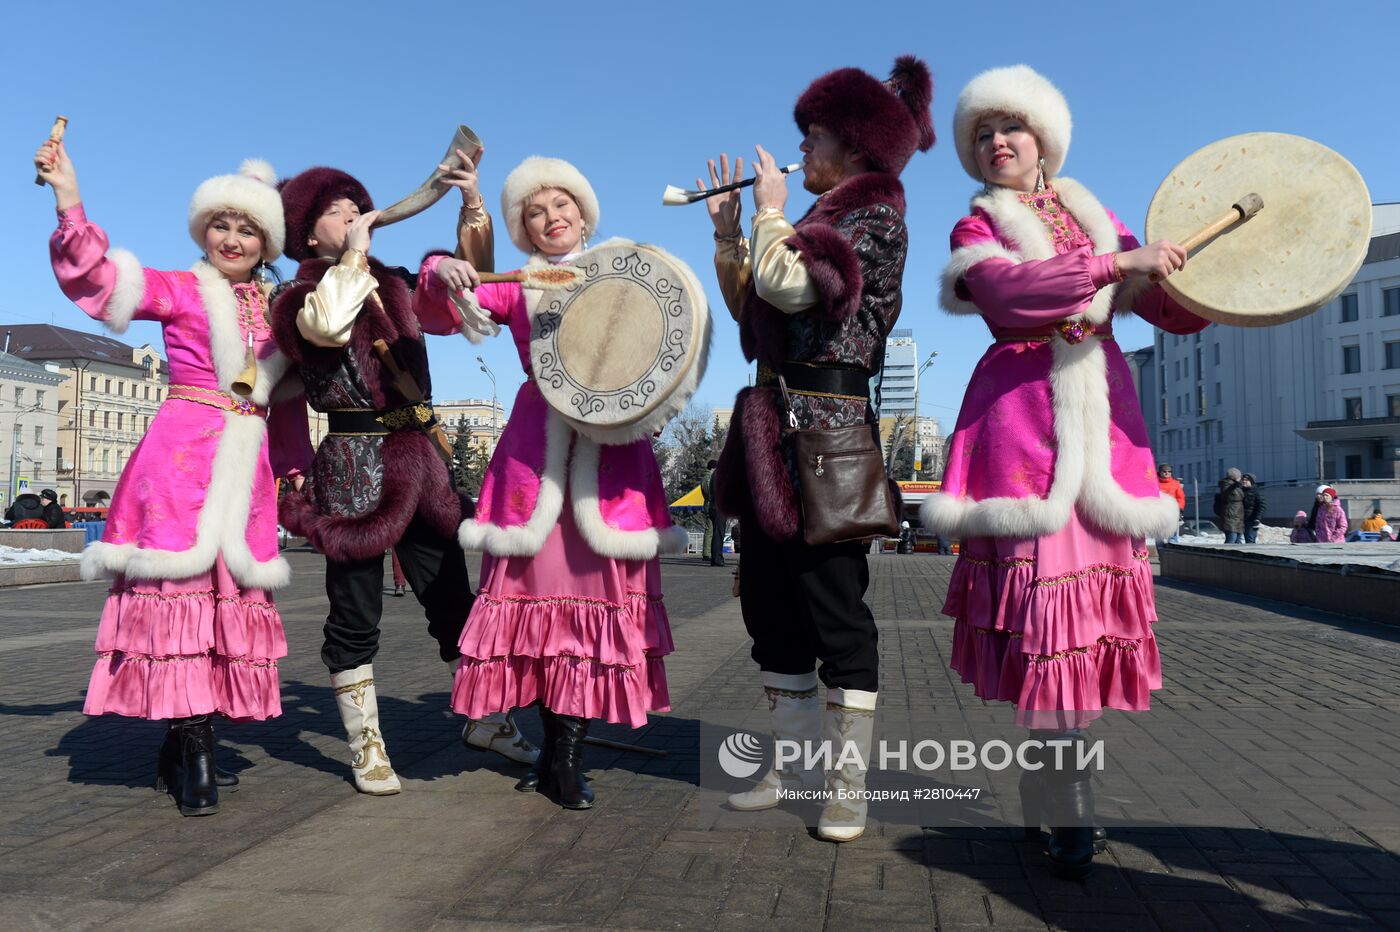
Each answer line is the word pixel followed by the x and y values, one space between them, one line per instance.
pixel 1018 91
pixel 1021 237
pixel 127 293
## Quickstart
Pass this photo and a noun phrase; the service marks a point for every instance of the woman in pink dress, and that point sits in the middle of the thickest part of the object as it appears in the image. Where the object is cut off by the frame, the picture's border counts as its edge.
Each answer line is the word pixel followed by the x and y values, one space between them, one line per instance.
pixel 1050 480
pixel 189 629
pixel 569 613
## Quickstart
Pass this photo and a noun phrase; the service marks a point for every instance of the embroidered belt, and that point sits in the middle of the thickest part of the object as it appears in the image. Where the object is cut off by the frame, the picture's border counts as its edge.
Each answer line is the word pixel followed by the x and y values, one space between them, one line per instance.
pixel 849 382
pixel 1071 331
pixel 215 399
pixel 360 421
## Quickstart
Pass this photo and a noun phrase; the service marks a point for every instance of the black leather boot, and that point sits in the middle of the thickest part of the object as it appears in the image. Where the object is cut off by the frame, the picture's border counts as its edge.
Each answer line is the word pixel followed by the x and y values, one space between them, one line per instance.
pixel 168 764
pixel 1032 788
pixel 198 794
pixel 570 788
pixel 1068 795
pixel 540 777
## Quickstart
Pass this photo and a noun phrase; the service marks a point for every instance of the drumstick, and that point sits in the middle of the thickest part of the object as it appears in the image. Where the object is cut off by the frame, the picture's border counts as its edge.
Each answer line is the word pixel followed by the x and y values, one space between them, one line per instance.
pixel 60 123
pixel 540 278
pixel 1241 210
pixel 674 196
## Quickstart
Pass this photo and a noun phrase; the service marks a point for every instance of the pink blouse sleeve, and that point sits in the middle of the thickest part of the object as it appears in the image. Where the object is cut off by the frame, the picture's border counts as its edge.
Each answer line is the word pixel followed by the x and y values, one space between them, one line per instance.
pixel 1149 301
pixel 110 287
pixel 436 312
pixel 1030 293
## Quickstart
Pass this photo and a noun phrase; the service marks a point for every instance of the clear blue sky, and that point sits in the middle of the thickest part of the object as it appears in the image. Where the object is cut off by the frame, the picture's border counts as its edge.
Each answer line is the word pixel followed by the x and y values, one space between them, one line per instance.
pixel 638 95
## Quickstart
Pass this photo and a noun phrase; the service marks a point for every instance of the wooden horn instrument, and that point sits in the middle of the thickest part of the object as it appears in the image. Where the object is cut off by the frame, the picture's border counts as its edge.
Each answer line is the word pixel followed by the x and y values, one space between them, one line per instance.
pixel 430 192
pixel 248 378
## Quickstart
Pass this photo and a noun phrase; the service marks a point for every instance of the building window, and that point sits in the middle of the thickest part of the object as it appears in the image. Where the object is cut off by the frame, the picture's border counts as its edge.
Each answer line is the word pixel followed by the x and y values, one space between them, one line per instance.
pixel 1217 393
pixel 121 387
pixel 39 398
pixel 92 418
pixel 106 419
pixel 1217 354
pixel 107 386
pixel 1392 403
pixel 38 436
pixel 1392 301
pixel 148 393
pixel 60 457
pixel 1351 359
pixel 92 384
pixel 1219 431
pixel 1392 355
pixel 1353 408
pixel 1350 310
pixel 106 461
pixel 1201 401
pixel 146 364
pixel 119 420
pixel 1199 370
pixel 1198 435
pixel 19 396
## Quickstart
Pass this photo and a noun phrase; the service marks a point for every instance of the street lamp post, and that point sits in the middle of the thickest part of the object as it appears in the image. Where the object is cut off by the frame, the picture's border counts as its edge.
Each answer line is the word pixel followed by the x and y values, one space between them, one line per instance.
pixel 14 450
pixel 495 431
pixel 927 362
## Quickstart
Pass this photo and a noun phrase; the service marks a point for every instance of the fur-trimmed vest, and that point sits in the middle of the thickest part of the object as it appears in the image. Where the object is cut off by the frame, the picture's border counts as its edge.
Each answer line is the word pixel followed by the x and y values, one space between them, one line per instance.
pixel 364 489
pixel 853 244
pixel 1047 425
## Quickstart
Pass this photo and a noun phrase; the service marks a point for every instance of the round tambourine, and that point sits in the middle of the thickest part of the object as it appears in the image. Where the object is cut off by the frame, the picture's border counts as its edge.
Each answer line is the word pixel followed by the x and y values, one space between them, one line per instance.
pixel 621 353
pixel 1292 257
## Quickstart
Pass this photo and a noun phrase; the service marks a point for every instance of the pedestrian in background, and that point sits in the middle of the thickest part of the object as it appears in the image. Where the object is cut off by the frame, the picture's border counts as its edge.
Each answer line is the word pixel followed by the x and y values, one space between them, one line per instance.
pixel 1253 508
pixel 714 521
pixel 1328 520
pixel 1169 485
pixel 1301 534
pixel 1229 506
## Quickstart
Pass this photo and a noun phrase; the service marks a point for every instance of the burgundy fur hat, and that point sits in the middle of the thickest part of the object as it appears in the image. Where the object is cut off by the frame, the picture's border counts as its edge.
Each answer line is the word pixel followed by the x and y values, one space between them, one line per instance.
pixel 307 195
pixel 885 120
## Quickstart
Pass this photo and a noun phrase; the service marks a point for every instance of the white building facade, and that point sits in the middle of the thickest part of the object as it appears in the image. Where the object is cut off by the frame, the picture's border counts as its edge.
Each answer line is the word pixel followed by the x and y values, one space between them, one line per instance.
pixel 29 396
pixel 1316 399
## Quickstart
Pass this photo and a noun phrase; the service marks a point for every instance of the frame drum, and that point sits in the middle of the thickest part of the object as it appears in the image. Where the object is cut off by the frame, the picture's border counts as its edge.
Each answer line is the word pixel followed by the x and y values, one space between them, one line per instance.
pixel 621 353
pixel 1286 261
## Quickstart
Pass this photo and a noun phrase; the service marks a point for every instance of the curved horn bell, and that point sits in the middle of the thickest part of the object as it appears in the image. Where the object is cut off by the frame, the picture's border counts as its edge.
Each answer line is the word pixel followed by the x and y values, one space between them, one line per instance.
pixel 430 192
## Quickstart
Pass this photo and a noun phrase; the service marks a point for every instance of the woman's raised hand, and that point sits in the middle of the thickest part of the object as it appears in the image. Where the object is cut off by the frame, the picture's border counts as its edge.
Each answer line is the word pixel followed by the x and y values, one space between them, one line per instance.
pixel 56 170
pixel 458 275
pixel 724 208
pixel 1155 260
pixel 465 178
pixel 358 236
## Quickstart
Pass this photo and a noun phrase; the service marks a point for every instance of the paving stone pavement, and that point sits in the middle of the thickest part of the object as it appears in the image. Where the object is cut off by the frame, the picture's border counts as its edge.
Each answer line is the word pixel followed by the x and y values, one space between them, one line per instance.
pixel 1260 792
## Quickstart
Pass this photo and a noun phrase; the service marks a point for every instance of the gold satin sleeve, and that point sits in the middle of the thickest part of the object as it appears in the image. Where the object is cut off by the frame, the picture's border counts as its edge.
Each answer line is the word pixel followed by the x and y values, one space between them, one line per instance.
pixel 476 240
pixel 779 277
pixel 733 270
pixel 330 311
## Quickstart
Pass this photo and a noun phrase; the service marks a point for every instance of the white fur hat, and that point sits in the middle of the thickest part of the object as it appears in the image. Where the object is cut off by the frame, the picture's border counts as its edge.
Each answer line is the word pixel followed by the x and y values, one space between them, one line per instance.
pixel 253 192
pixel 1020 91
pixel 535 174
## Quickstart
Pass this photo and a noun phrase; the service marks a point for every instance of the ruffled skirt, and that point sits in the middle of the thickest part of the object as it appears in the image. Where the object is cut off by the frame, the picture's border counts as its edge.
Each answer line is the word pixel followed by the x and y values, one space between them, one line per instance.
pixel 176 648
pixel 581 633
pixel 1060 625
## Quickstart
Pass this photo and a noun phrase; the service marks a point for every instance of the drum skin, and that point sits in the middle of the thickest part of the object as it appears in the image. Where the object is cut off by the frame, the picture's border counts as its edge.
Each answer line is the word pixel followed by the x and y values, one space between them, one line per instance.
pixel 1293 257
pixel 621 353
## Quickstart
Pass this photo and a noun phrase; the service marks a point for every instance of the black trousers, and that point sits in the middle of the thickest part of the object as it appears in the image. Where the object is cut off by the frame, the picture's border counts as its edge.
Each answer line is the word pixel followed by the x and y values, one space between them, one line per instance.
pixel 720 525
pixel 436 570
pixel 802 604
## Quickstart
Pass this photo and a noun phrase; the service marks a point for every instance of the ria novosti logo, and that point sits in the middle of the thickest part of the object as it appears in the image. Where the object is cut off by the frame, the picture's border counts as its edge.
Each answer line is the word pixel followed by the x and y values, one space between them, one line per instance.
pixel 740 755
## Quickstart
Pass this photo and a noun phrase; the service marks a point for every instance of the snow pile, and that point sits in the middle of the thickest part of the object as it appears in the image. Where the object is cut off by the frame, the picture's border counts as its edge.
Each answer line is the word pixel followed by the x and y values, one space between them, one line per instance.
pixel 14 556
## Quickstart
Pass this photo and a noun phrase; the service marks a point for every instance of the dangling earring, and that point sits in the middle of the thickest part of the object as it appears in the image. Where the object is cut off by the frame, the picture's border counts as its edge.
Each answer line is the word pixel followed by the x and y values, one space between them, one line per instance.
pixel 1040 177
pixel 583 236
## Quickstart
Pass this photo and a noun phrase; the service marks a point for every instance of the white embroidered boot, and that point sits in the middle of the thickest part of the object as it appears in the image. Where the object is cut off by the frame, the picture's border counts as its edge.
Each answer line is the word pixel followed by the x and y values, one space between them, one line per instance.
pixel 497 732
pixel 795 714
pixel 359 710
pixel 850 731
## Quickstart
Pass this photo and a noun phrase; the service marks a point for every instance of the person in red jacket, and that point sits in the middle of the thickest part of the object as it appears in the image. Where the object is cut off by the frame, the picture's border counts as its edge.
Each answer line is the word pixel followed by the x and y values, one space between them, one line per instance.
pixel 1170 486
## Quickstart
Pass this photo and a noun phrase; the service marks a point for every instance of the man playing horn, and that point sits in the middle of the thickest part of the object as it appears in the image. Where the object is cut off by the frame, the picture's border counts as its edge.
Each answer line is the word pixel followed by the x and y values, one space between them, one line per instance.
pixel 814 302
pixel 378 481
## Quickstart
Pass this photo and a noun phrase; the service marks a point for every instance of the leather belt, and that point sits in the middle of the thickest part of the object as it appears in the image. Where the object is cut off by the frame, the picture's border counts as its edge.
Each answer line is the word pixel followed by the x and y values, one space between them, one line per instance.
pixel 806 379
pixel 364 421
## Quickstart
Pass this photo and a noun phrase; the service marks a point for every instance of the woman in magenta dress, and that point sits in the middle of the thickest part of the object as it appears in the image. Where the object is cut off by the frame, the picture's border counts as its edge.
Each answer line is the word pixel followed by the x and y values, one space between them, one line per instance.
pixel 1050 481
pixel 569 613
pixel 189 629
